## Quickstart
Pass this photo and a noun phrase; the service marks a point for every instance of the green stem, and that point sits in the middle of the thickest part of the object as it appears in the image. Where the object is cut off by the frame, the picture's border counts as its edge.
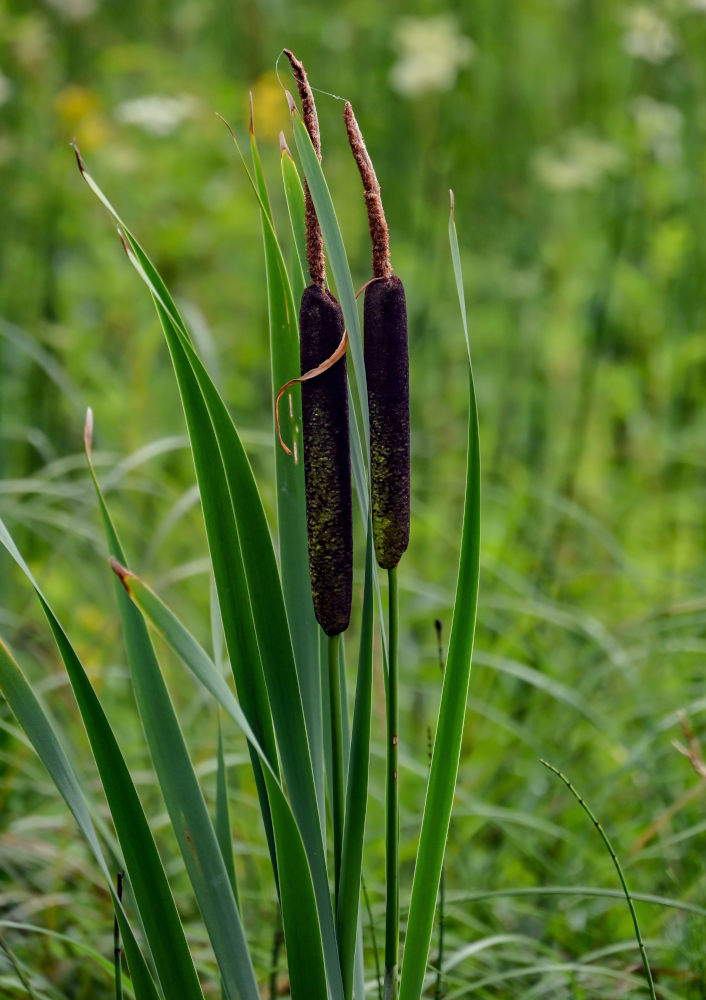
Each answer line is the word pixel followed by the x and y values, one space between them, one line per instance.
pixel 337 808
pixel 117 950
pixel 392 800
pixel 371 922
pixel 628 898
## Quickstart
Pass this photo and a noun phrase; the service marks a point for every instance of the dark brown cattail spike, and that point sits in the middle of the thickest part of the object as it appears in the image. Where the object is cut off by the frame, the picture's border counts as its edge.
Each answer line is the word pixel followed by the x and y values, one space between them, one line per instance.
pixel 387 374
pixel 314 239
pixel 327 462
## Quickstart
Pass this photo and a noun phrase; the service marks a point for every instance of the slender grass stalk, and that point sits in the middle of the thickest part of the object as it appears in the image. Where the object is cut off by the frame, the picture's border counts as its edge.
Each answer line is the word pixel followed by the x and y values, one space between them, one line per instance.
pixel 392 799
pixel 373 937
pixel 117 950
pixel 277 942
pixel 12 958
pixel 337 806
pixel 438 988
pixel 628 898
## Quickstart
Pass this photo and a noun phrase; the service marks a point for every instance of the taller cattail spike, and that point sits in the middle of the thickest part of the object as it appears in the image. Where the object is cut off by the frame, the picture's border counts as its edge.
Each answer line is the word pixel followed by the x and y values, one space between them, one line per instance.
pixel 314 239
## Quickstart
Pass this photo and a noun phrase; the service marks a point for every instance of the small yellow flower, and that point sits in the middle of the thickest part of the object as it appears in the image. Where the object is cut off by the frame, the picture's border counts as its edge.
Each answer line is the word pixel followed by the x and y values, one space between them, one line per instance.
pixel 269 107
pixel 79 113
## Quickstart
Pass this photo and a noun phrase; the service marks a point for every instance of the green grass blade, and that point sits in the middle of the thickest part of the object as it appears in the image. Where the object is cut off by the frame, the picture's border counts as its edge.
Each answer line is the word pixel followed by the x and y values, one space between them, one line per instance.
pixel 222 536
pixel 449 731
pixel 189 651
pixel 150 269
pixel 299 910
pixel 618 867
pixel 274 642
pixel 357 788
pixel 82 947
pixel 306 962
pixel 153 897
pixel 187 810
pixel 33 719
pixel 222 824
pixel 294 194
pixel 289 477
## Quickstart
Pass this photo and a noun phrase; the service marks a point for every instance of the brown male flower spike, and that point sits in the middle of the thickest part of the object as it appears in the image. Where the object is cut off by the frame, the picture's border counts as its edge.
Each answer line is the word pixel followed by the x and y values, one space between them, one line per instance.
pixel 386 372
pixel 327 461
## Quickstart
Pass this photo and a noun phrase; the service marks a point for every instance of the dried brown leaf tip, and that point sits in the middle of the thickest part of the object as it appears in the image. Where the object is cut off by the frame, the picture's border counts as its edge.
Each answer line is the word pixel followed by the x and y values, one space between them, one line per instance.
pixel 123 574
pixel 386 372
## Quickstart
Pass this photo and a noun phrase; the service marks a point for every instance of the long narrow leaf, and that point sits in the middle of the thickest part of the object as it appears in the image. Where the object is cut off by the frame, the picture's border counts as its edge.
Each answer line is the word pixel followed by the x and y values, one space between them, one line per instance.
pixel 299 911
pixel 294 194
pixel 268 609
pixel 33 719
pixel 289 477
pixel 154 900
pixel 187 810
pixel 449 732
pixel 272 632
pixel 222 822
pixel 223 542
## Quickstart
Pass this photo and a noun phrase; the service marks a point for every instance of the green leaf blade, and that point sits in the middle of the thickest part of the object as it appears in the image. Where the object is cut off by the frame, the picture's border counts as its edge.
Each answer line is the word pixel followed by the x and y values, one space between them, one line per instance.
pixel 31 716
pixel 153 896
pixel 187 810
pixel 452 710
pixel 289 477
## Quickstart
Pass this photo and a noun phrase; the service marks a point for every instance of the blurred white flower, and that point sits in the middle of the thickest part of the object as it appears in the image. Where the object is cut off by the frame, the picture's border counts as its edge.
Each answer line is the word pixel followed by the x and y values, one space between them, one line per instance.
pixel 647 35
pixel 157 114
pixel 74 10
pixel 696 5
pixel 431 52
pixel 580 163
pixel 659 126
pixel 6 88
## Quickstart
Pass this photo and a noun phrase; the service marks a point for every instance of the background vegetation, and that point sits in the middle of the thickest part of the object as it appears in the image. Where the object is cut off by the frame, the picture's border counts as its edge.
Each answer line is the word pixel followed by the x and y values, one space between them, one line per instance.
pixel 573 134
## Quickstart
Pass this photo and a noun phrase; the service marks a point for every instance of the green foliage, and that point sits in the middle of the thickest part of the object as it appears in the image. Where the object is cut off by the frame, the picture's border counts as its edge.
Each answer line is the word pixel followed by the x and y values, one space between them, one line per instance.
pixel 577 168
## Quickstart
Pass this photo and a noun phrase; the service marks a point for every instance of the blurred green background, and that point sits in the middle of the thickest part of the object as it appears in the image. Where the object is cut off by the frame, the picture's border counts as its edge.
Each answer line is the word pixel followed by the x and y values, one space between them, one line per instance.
pixel 573 135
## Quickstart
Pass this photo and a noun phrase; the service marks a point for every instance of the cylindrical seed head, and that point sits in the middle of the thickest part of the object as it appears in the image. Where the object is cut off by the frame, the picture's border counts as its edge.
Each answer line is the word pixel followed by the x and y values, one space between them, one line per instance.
pixel 327 461
pixel 387 375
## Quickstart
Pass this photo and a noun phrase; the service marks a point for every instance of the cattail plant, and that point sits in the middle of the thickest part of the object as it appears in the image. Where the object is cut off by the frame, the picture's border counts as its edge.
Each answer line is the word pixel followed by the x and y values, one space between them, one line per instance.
pixel 257 596
pixel 327 464
pixel 386 373
pixel 387 376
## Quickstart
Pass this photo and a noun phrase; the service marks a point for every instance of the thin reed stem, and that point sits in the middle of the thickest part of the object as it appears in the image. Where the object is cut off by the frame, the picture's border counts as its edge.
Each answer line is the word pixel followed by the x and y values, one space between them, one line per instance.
pixel 337 806
pixel 117 950
pixel 373 937
pixel 392 799
pixel 438 988
pixel 618 868
pixel 4 947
